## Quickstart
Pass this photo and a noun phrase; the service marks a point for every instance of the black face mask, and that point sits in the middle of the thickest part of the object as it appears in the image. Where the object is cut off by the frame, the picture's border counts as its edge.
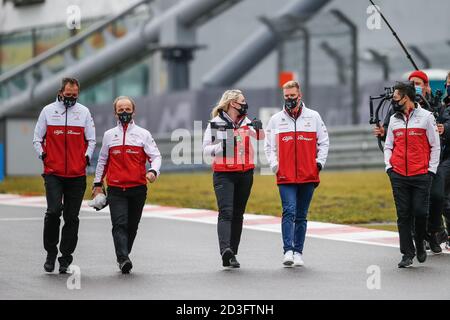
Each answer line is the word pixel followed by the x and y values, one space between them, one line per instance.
pixel 125 117
pixel 243 110
pixel 397 107
pixel 448 91
pixel 290 104
pixel 69 101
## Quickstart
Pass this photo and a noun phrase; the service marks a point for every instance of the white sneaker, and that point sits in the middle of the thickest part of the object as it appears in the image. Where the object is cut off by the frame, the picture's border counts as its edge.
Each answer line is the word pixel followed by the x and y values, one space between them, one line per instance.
pixel 288 258
pixel 298 259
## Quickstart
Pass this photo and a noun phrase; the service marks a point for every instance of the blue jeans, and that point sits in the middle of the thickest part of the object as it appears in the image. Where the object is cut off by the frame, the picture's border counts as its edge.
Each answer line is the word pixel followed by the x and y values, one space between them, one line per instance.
pixel 295 199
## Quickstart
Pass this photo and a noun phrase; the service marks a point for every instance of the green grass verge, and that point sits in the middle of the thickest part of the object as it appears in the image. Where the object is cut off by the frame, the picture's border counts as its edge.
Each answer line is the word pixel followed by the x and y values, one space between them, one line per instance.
pixel 343 197
pixel 382 226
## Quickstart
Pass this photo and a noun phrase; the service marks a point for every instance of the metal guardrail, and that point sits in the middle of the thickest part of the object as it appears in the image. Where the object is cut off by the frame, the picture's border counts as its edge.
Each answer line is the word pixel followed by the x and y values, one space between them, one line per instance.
pixel 351 148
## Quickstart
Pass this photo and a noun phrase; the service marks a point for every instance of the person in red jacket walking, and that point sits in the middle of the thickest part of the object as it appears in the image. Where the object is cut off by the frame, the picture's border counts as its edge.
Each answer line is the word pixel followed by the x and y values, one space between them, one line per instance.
pixel 64 139
pixel 296 148
pixel 411 155
pixel 125 151
pixel 227 139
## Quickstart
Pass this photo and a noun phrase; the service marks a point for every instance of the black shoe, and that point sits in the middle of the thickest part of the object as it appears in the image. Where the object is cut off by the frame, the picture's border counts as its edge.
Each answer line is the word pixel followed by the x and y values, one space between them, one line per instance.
pixel 226 256
pixel 49 264
pixel 63 269
pixel 234 263
pixel 406 262
pixel 64 263
pixel 441 236
pixel 435 247
pixel 125 266
pixel 421 251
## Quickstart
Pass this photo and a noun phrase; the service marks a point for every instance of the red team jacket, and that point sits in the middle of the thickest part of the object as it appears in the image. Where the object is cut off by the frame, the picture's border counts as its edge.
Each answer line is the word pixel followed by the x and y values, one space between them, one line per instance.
pixel 67 137
pixel 241 157
pixel 293 147
pixel 412 144
pixel 124 155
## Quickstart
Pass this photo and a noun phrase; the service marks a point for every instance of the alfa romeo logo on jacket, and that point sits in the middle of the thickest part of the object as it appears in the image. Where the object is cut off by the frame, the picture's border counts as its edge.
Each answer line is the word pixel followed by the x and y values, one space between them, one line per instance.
pixel 287 138
pixel 300 137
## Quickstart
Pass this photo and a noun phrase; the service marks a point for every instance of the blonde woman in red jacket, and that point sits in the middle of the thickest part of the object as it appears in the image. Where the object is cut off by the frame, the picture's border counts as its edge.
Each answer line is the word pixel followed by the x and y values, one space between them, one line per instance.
pixel 228 140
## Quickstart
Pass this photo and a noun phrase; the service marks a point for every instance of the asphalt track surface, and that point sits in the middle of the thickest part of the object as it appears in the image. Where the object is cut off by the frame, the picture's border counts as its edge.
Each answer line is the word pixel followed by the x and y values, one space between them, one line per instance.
pixel 179 260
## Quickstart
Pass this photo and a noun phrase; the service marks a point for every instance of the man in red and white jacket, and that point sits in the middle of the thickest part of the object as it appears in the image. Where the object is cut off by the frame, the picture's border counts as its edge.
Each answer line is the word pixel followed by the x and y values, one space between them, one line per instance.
pixel 64 139
pixel 411 154
pixel 296 148
pixel 125 151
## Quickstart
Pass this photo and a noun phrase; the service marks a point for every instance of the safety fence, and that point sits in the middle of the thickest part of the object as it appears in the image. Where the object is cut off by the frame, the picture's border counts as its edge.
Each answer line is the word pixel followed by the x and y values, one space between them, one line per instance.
pixel 351 148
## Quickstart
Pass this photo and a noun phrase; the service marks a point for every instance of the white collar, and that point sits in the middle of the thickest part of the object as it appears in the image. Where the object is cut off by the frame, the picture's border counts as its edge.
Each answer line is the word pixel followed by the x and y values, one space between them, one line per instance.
pixel 130 125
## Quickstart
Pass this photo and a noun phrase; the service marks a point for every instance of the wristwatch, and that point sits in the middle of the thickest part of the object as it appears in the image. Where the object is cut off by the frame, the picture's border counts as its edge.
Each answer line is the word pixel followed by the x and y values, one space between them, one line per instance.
pixel 97 184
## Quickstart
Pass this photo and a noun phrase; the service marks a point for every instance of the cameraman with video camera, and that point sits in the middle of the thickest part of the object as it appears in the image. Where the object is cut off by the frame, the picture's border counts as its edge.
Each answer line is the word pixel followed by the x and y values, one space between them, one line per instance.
pixel 411 155
pixel 422 88
pixel 436 233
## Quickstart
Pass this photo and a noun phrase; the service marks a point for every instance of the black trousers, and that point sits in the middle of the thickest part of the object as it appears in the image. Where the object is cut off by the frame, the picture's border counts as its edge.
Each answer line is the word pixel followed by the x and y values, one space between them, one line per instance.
pixel 64 196
pixel 439 188
pixel 411 196
pixel 232 192
pixel 125 206
pixel 446 163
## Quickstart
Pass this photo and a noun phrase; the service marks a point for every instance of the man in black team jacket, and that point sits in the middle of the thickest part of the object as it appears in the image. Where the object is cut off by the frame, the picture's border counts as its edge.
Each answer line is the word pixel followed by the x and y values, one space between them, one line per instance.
pixel 446 153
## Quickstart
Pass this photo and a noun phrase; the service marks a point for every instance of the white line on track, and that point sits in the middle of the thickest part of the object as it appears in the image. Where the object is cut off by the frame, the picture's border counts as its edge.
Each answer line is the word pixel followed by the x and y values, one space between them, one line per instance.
pixel 318 230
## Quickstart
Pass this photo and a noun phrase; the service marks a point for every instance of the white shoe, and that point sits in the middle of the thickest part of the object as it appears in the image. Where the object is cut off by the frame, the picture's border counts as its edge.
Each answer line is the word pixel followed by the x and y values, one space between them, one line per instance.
pixel 298 259
pixel 288 258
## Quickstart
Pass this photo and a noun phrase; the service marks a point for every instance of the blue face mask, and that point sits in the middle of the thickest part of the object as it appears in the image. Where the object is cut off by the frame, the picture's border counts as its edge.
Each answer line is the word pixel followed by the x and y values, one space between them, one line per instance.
pixel 448 91
pixel 418 90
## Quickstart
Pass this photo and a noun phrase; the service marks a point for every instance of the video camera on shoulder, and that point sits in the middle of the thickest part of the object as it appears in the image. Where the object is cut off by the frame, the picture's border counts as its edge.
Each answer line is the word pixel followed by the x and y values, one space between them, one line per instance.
pixel 384 98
